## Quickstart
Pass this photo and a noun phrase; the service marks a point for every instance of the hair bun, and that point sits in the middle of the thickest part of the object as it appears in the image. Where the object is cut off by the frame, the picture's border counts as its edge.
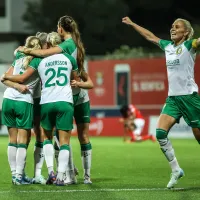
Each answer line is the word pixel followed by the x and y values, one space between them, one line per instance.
pixel 37 34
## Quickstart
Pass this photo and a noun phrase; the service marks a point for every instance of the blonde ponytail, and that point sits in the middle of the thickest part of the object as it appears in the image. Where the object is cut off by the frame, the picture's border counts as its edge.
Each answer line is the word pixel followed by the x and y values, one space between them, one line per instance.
pixel 32 42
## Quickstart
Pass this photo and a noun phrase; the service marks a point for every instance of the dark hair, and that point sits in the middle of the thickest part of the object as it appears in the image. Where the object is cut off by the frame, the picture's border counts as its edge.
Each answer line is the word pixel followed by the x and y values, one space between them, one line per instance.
pixel 124 111
pixel 69 25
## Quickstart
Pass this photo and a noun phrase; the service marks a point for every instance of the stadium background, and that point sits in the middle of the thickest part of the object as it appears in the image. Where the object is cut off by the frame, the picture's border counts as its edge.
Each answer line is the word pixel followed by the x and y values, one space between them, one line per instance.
pixel 141 81
pixel 125 68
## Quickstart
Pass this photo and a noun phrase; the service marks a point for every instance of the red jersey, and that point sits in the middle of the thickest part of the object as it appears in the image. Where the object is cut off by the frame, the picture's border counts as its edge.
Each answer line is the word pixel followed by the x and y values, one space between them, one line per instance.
pixel 133 110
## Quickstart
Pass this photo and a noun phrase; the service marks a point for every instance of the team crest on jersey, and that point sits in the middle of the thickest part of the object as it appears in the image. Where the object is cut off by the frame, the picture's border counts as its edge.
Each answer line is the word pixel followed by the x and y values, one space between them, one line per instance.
pixel 179 51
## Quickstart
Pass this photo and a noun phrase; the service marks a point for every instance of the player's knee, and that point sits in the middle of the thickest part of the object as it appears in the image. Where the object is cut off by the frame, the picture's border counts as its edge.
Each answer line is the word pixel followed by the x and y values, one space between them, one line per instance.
pixel 161 134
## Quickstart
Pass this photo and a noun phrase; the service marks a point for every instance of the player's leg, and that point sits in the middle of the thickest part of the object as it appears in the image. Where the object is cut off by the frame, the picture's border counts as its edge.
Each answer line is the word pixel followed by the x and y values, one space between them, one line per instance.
pixel 64 125
pixel 38 148
pixel 8 119
pixel 24 121
pixel 22 140
pixel 71 170
pixel 48 117
pixel 169 116
pixel 82 117
pixel 12 151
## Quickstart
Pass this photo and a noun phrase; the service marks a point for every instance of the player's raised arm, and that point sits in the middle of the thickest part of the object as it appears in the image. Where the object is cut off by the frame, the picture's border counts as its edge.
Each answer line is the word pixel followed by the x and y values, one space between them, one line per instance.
pixel 148 35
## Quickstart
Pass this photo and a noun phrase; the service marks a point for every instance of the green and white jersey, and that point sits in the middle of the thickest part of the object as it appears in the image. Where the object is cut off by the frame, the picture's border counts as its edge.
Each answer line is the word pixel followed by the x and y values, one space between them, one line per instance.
pixel 180 62
pixel 69 46
pixel 55 72
pixel 33 82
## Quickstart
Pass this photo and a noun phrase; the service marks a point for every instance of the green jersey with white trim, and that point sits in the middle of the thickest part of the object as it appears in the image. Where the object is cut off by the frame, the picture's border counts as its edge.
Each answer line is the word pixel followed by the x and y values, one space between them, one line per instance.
pixel 180 61
pixel 33 82
pixel 69 46
pixel 55 72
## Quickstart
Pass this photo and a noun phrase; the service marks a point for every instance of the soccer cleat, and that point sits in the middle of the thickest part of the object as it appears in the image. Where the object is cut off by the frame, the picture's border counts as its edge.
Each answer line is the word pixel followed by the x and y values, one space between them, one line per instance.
pixel 39 180
pixel 26 180
pixel 175 176
pixel 71 179
pixel 58 182
pixel 18 181
pixel 51 179
pixel 87 180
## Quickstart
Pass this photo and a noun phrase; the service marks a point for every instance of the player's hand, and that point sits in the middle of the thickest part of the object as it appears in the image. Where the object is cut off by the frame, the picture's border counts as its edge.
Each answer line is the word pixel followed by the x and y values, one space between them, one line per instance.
pixel 3 77
pixel 22 88
pixel 127 20
pixel 75 83
pixel 20 48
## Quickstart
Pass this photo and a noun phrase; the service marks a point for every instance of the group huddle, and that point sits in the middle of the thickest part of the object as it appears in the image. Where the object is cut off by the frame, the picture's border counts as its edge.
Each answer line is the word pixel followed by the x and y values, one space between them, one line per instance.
pixel 47 89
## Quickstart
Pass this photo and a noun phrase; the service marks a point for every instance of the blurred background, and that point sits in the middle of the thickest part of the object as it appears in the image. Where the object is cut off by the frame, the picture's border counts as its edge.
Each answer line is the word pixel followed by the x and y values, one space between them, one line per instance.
pixel 125 68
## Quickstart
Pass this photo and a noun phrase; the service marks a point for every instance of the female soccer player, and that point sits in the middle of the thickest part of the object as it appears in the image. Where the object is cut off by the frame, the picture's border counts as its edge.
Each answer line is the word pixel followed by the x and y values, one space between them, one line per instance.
pixel 183 100
pixel 57 109
pixel 17 112
pixel 68 30
pixel 38 149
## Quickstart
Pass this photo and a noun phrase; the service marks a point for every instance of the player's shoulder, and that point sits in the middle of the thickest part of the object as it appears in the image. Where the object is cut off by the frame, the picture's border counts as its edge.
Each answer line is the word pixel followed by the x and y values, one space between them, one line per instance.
pixel 189 44
pixel 70 57
pixel 164 43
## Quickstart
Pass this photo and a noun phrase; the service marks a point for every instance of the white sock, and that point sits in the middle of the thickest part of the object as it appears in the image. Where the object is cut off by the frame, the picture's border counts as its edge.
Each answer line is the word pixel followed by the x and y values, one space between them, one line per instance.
pixel 20 159
pixel 169 153
pixel 38 159
pixel 63 160
pixel 12 152
pixel 174 165
pixel 86 157
pixel 48 154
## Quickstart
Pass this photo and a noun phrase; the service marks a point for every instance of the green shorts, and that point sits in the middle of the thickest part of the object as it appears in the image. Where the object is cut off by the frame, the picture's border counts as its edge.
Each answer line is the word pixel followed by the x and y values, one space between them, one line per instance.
pixel 17 114
pixel 57 114
pixel 82 113
pixel 36 107
pixel 186 106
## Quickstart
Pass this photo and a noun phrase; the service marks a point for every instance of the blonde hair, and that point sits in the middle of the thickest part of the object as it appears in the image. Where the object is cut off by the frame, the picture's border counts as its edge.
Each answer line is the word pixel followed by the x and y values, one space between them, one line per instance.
pixel 188 26
pixel 54 39
pixel 42 37
pixel 32 42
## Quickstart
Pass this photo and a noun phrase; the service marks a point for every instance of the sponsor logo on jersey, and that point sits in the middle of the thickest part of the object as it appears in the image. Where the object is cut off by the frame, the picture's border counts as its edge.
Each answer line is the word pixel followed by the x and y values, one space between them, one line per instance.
pixel 179 51
pixel 173 62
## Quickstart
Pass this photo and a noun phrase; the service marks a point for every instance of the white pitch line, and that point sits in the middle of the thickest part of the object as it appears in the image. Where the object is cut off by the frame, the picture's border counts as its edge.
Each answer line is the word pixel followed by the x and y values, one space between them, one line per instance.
pixel 94 190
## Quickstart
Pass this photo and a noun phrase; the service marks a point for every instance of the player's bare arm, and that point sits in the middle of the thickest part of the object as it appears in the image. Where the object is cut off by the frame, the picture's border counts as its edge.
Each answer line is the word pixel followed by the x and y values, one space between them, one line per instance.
pixel 85 84
pixel 40 52
pixel 21 78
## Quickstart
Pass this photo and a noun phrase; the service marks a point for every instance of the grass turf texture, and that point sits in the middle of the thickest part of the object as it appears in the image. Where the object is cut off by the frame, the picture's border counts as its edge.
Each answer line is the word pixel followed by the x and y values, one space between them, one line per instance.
pixel 119 171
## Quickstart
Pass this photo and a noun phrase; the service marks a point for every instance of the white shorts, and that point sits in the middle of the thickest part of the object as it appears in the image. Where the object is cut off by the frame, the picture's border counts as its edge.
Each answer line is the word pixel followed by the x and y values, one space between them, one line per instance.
pixel 139 126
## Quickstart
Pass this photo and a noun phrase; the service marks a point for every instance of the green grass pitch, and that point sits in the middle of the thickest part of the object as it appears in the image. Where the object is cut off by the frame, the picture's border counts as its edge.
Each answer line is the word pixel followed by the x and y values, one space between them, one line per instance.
pixel 119 171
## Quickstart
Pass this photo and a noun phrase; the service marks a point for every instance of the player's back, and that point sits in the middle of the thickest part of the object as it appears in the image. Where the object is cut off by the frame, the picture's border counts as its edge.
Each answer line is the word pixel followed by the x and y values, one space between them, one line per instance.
pixel 55 74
